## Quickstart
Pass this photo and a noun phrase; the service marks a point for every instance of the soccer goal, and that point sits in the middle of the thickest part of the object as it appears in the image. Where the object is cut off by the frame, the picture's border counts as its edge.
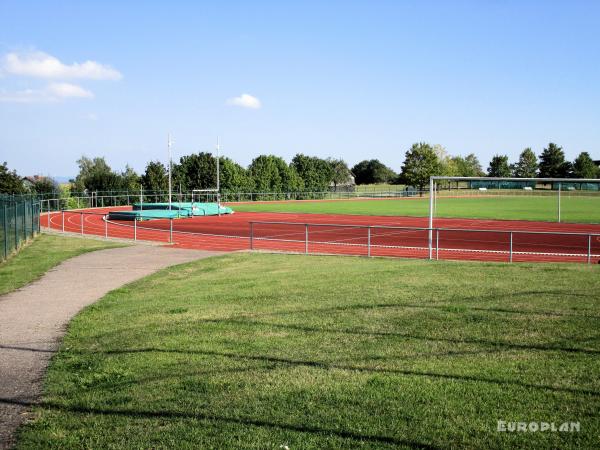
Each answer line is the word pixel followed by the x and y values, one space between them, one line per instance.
pixel 534 199
pixel 471 201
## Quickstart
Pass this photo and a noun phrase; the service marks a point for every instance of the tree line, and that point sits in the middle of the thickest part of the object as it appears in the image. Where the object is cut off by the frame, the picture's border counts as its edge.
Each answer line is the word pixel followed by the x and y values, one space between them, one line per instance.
pixel 269 173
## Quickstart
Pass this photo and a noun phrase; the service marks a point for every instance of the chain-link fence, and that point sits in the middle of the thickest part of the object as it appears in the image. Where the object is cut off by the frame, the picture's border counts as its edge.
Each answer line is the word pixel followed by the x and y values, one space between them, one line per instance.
pixel 19 222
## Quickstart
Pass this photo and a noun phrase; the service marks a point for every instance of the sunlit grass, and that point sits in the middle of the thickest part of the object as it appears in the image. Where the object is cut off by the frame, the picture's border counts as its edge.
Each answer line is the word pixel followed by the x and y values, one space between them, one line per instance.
pixel 263 351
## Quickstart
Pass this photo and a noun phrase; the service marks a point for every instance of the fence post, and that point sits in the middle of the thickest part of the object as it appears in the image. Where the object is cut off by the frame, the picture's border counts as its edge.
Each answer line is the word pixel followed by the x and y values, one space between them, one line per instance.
pixel 369 241
pixel 251 235
pixel 306 238
pixel 5 232
pixel 106 227
pixel 437 244
pixel 81 219
pixel 170 230
pixel 589 249
pixel 510 257
pixel 25 222
pixel 16 228
pixel 63 220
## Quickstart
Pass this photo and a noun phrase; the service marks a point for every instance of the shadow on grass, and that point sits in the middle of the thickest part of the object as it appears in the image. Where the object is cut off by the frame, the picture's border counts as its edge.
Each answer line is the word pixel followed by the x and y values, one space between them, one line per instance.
pixel 499 344
pixel 26 349
pixel 162 414
pixel 328 366
pixel 451 307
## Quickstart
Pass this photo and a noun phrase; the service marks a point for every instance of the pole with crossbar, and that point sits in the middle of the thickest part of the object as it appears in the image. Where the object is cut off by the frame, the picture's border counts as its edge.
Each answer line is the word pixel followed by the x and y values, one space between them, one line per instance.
pixel 369 241
pixel 559 189
pixel 510 258
pixel 431 188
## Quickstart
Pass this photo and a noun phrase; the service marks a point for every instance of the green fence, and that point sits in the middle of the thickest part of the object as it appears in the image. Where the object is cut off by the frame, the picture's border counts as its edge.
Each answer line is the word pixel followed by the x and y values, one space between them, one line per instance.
pixel 19 222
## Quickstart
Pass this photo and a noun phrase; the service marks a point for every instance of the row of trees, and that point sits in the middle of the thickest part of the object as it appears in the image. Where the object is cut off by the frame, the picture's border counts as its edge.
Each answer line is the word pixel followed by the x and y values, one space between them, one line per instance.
pixel 269 173
pixel 423 161
pixel 551 164
pixel 266 173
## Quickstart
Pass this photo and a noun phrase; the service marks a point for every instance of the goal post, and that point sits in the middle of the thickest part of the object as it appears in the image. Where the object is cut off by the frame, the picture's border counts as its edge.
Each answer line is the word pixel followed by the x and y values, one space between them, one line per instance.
pixel 507 187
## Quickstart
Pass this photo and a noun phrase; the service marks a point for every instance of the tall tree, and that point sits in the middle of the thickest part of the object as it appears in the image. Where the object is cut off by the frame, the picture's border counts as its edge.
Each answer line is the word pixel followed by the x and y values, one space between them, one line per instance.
pixel 340 173
pixel 552 162
pixel 373 171
pixel 130 180
pixel 527 166
pixel 272 174
pixel 197 171
pixel 155 177
pixel 448 164
pixel 499 167
pixel 584 166
pixel 420 164
pixel 45 185
pixel 233 177
pixel 96 175
pixel 10 182
pixel 469 166
pixel 315 172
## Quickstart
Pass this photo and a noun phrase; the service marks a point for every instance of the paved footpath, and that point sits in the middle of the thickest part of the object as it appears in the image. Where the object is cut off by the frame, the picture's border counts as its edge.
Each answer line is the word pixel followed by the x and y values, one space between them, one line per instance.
pixel 33 319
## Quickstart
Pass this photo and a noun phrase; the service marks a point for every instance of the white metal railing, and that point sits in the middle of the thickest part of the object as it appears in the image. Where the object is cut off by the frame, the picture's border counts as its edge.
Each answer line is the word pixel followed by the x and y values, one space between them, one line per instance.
pixel 369 239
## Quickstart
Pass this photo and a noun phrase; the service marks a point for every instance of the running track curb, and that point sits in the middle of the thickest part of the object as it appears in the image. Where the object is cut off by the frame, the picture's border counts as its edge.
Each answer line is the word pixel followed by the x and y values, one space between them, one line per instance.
pixel 34 319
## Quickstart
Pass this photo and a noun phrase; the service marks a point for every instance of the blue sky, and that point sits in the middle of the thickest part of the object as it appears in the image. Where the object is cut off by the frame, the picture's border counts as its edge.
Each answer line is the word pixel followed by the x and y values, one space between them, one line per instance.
pixel 347 79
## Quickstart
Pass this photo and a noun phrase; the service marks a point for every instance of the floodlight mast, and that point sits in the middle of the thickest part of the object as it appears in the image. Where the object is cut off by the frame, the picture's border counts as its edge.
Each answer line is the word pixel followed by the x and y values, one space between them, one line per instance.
pixel 170 168
pixel 218 178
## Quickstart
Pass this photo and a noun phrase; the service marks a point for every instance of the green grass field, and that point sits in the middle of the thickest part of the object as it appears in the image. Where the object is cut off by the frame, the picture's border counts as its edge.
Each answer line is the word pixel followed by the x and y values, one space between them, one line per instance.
pixel 574 209
pixel 263 351
pixel 43 253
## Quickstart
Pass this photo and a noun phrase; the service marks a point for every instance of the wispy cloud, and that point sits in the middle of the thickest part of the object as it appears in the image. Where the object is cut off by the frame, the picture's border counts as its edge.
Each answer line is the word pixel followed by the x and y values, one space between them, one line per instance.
pixel 68 90
pixel 51 93
pixel 42 65
pixel 245 101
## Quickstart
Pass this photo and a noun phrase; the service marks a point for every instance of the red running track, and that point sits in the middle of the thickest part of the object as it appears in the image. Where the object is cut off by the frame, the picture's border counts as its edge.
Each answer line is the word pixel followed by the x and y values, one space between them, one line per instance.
pixel 459 239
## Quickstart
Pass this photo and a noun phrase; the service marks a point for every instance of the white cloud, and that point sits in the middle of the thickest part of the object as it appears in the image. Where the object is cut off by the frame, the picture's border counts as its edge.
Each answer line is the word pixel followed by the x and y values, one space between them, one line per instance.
pixel 245 101
pixel 43 65
pixel 68 90
pixel 51 93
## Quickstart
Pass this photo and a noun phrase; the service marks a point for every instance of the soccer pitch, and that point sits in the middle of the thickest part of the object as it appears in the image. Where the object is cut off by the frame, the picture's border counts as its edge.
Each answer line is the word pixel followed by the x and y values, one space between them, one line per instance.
pixel 578 209
pixel 267 351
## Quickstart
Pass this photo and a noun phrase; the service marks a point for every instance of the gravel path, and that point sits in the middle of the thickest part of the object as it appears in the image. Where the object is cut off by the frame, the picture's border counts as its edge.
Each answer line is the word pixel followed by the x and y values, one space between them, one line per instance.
pixel 34 319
